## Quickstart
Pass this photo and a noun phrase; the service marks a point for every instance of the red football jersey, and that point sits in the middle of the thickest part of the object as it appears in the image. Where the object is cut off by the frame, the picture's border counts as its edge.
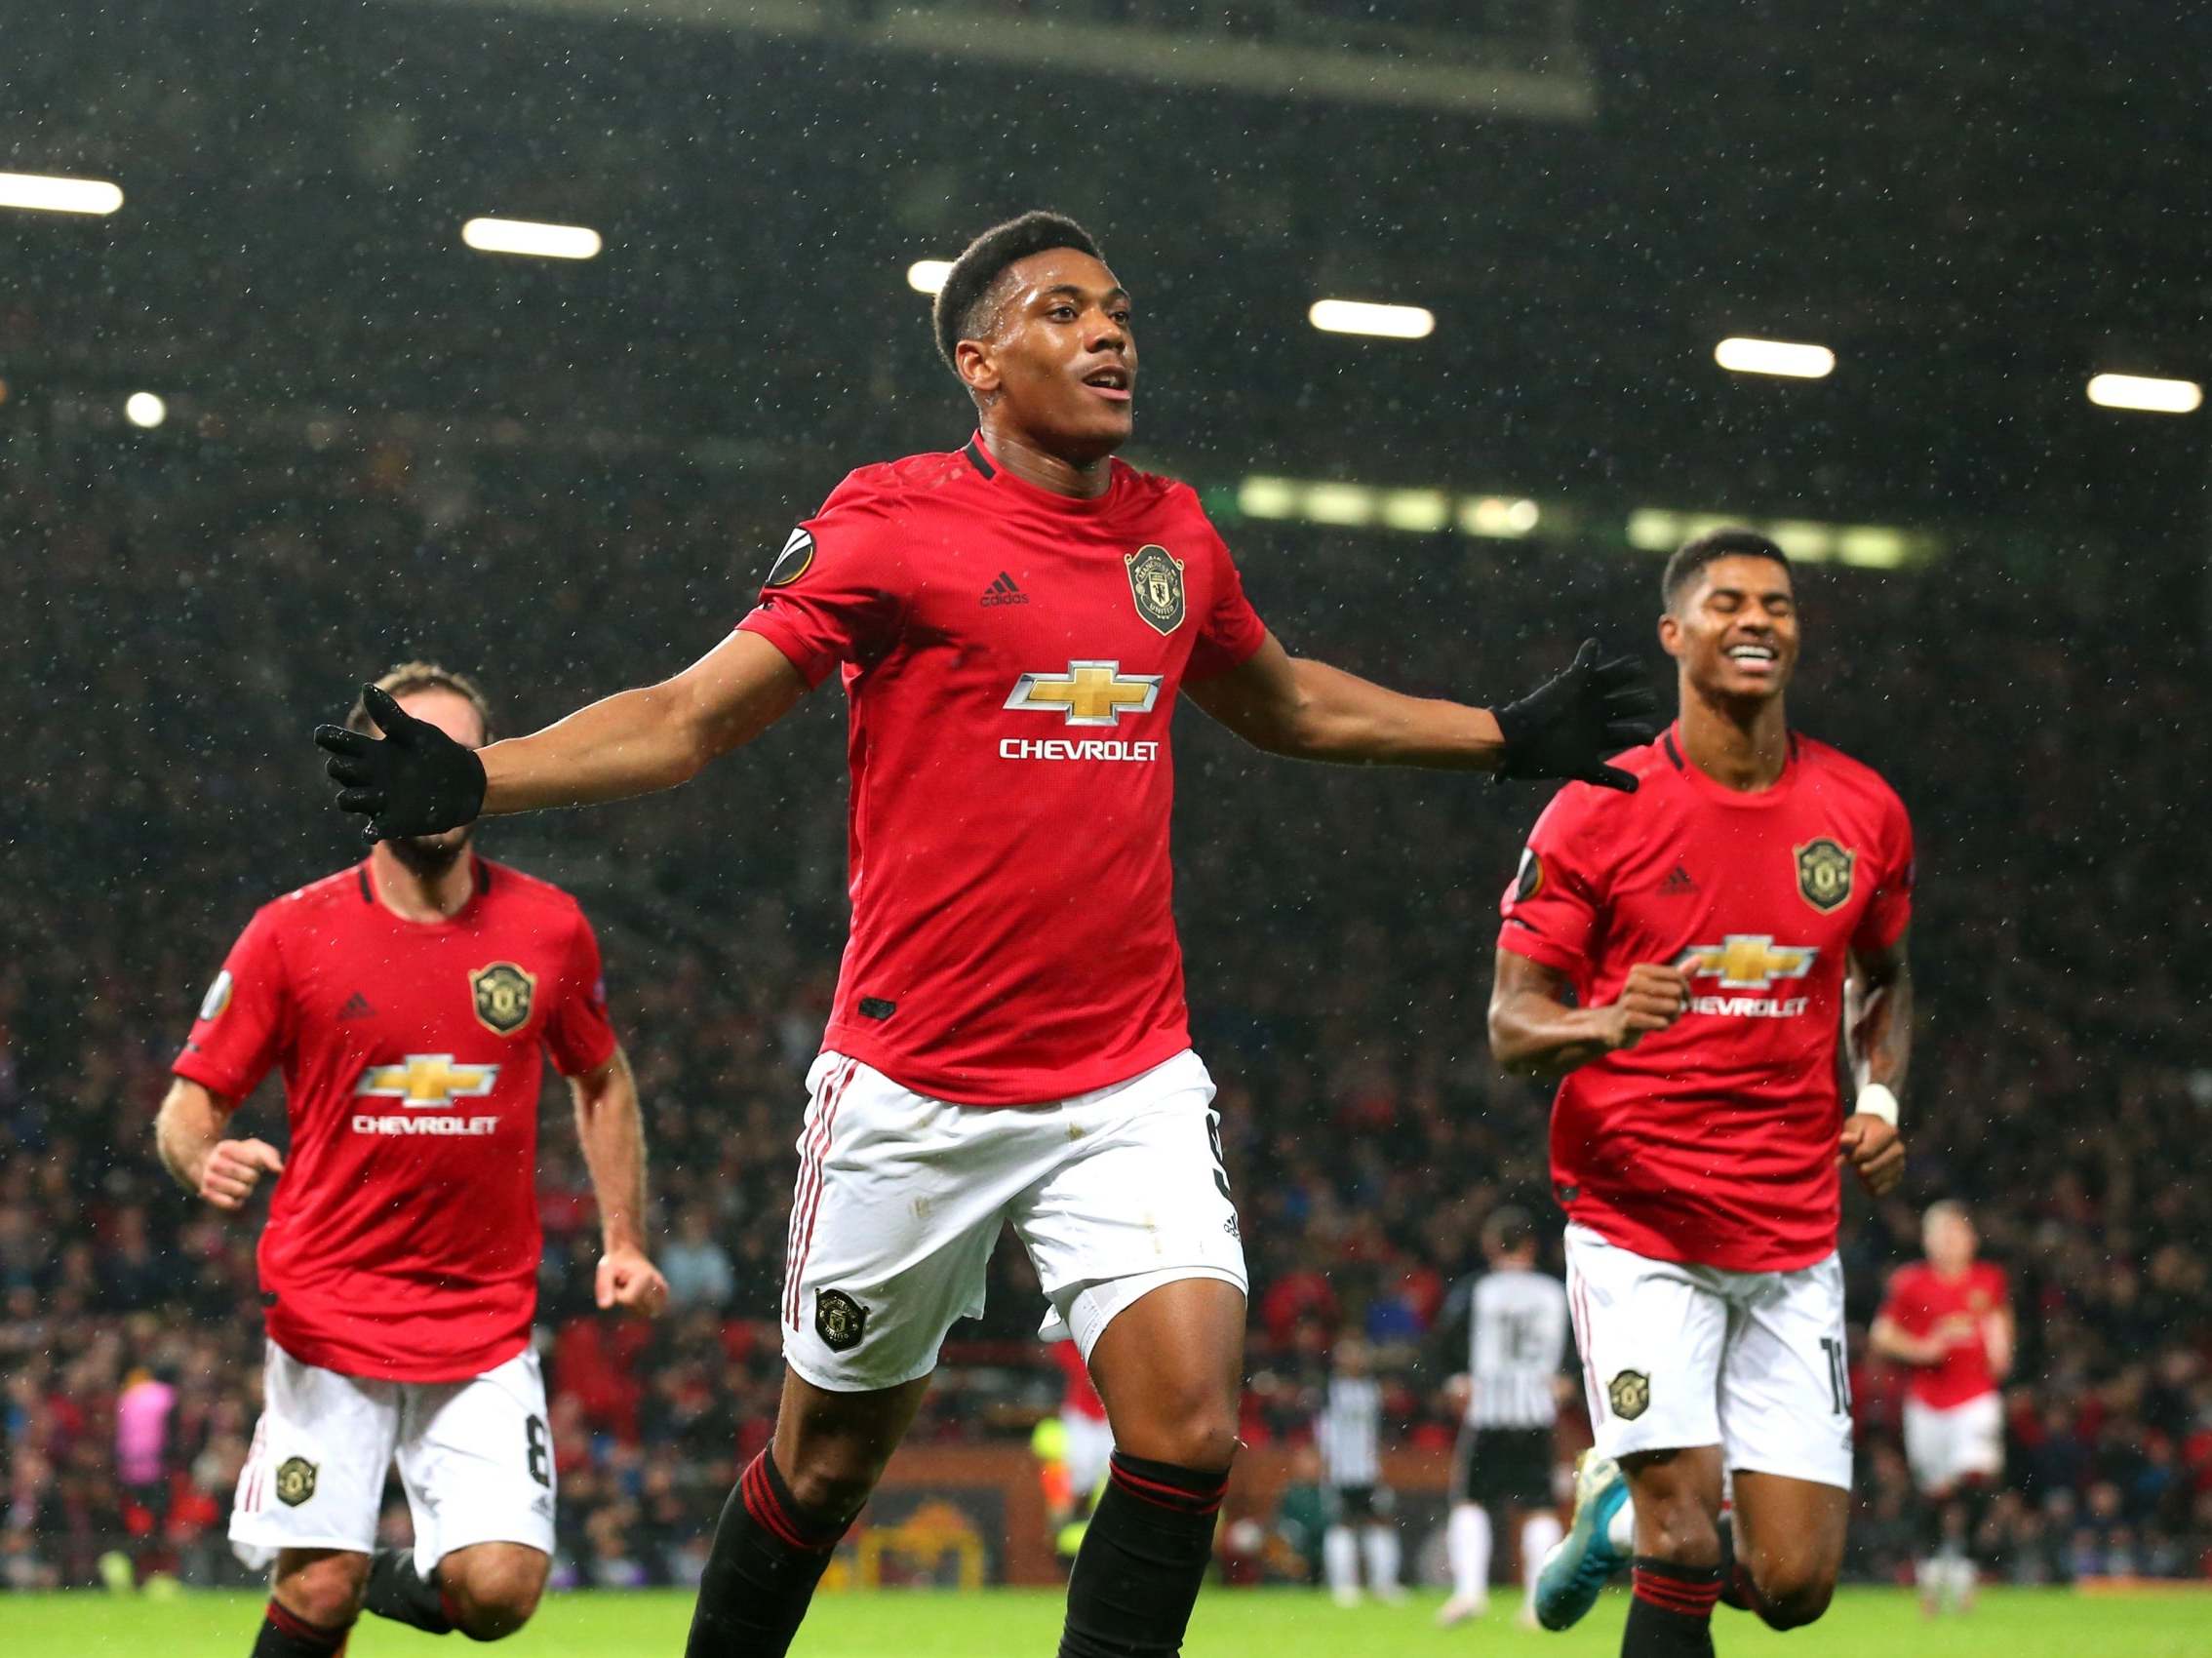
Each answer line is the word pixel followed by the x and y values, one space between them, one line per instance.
pixel 1920 1301
pixel 403 1238
pixel 1011 658
pixel 1715 1140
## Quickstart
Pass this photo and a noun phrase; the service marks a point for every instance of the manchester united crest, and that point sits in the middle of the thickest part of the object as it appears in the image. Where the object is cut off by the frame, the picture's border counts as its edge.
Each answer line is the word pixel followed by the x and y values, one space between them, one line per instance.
pixel 502 993
pixel 1629 1393
pixel 839 1320
pixel 1156 583
pixel 1823 874
pixel 295 1481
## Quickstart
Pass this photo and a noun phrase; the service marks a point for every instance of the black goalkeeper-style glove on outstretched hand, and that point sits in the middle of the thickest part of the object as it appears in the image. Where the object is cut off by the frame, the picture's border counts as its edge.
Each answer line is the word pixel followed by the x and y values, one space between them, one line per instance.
pixel 1567 726
pixel 416 781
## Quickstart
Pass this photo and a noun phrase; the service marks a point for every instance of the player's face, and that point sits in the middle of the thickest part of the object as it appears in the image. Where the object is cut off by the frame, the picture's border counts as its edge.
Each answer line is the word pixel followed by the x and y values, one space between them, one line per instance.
pixel 1060 365
pixel 1735 631
pixel 455 716
pixel 1948 1239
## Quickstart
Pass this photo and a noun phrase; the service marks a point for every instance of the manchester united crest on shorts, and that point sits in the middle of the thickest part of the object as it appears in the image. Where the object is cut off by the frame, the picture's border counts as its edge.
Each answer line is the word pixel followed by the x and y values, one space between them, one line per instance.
pixel 839 1320
pixel 502 993
pixel 1629 1393
pixel 1823 874
pixel 1156 583
pixel 295 1481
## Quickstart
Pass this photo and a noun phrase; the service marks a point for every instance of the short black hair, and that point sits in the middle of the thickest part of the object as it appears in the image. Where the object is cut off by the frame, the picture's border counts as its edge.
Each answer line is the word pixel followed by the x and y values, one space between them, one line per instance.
pixel 1509 1230
pixel 1697 553
pixel 960 302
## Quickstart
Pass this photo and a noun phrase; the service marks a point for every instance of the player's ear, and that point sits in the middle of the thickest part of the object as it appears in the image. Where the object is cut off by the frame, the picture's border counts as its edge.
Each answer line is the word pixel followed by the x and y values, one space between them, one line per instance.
pixel 978 368
pixel 1670 633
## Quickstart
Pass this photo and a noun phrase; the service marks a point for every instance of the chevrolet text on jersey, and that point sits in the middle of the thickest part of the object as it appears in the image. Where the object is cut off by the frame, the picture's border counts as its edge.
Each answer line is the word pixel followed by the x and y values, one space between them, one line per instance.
pixel 985 738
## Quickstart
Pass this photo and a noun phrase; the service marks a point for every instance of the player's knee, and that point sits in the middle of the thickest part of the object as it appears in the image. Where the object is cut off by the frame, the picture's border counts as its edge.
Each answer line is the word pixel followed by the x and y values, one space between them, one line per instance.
pixel 1196 1433
pixel 324 1591
pixel 1792 1594
pixel 495 1589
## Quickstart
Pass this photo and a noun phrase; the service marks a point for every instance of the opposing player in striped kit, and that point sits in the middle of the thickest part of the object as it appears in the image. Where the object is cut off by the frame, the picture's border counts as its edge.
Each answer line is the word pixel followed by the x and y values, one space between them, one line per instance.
pixel 1514 1322
pixel 1348 1433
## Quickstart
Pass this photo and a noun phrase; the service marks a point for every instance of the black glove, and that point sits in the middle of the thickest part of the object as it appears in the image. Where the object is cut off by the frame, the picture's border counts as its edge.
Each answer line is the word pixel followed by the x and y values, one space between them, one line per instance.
pixel 416 781
pixel 1567 726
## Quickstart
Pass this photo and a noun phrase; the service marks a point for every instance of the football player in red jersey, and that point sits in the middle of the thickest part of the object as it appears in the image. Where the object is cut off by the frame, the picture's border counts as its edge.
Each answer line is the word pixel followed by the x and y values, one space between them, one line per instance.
pixel 1950 1319
pixel 1012 624
pixel 1686 956
pixel 408 1002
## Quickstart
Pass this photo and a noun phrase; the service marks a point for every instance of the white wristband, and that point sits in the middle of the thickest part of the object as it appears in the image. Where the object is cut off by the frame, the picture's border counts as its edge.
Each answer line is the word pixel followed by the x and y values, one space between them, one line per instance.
pixel 1875 1100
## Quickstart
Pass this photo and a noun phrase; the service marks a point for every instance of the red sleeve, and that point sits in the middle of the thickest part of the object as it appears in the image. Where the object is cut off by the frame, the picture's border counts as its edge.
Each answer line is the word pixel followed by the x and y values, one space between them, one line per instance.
pixel 1903 1305
pixel 579 1035
pixel 833 594
pixel 1891 910
pixel 240 1030
pixel 1999 1287
pixel 1551 908
pixel 1231 632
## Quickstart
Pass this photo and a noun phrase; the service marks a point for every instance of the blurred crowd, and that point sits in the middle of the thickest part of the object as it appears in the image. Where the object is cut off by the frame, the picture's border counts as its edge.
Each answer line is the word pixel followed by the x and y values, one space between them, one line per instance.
pixel 171 641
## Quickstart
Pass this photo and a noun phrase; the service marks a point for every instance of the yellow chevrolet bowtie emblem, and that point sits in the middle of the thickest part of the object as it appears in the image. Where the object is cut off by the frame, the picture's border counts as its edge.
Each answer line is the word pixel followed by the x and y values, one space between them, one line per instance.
pixel 1747 960
pixel 427 1080
pixel 1089 694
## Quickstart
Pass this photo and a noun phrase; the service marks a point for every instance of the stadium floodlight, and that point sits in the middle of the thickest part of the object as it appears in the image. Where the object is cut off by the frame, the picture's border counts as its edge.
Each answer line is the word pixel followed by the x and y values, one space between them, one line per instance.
pixel 1498 516
pixel 1421 510
pixel 1359 316
pixel 926 276
pixel 1340 503
pixel 533 240
pixel 144 409
pixel 42 195
pixel 1741 356
pixel 1804 540
pixel 2146 393
pixel 1267 497
pixel 1872 546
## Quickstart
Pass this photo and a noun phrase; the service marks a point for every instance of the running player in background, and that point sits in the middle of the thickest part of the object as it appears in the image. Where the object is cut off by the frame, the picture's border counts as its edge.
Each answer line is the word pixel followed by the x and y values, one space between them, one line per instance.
pixel 1012 622
pixel 1349 1433
pixel 1688 957
pixel 1515 1320
pixel 407 1001
pixel 1950 1319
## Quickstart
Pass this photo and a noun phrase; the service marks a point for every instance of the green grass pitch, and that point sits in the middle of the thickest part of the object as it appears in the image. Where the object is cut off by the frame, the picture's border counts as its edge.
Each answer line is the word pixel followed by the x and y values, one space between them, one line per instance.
pixel 1230 1624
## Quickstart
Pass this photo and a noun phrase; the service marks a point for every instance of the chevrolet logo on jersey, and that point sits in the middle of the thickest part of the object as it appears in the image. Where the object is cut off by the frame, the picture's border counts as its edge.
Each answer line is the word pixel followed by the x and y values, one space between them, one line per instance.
pixel 1747 960
pixel 1089 694
pixel 427 1082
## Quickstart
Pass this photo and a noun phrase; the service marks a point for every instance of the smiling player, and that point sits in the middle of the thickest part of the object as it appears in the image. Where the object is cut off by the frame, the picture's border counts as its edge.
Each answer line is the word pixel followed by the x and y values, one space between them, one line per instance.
pixel 1012 622
pixel 1713 929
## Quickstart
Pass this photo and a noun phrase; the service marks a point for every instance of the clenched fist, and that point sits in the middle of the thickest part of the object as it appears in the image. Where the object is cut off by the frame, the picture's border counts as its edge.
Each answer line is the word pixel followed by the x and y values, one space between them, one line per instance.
pixel 1654 997
pixel 234 1169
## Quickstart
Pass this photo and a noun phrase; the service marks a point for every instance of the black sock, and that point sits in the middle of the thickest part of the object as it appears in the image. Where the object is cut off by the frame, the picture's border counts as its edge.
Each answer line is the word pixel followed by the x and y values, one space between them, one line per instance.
pixel 1142 1559
pixel 399 1592
pixel 768 1553
pixel 284 1635
pixel 1669 1614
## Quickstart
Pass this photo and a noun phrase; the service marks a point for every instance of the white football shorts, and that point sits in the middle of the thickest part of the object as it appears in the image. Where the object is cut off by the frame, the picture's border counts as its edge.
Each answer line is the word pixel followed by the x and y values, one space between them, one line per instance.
pixel 1675 1355
pixel 902 1197
pixel 1944 1447
pixel 475 1459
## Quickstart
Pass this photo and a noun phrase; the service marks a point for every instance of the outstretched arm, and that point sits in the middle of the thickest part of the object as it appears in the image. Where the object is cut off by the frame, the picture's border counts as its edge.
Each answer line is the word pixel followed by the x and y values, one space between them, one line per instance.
pixel 1878 1034
pixel 1534 1032
pixel 416 780
pixel 1295 706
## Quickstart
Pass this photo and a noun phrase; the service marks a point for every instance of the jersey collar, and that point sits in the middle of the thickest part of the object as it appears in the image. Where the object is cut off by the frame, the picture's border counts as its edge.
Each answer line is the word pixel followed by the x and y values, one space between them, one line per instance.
pixel 978 456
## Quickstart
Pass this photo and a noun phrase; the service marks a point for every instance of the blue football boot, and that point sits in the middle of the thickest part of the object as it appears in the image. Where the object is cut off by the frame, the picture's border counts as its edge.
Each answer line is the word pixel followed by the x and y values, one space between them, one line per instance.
pixel 1581 1561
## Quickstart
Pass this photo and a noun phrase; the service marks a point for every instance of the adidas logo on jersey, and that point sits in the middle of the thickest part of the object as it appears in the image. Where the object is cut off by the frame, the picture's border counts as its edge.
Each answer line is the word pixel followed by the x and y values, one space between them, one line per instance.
pixel 1004 592
pixel 356 1008
pixel 1678 883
